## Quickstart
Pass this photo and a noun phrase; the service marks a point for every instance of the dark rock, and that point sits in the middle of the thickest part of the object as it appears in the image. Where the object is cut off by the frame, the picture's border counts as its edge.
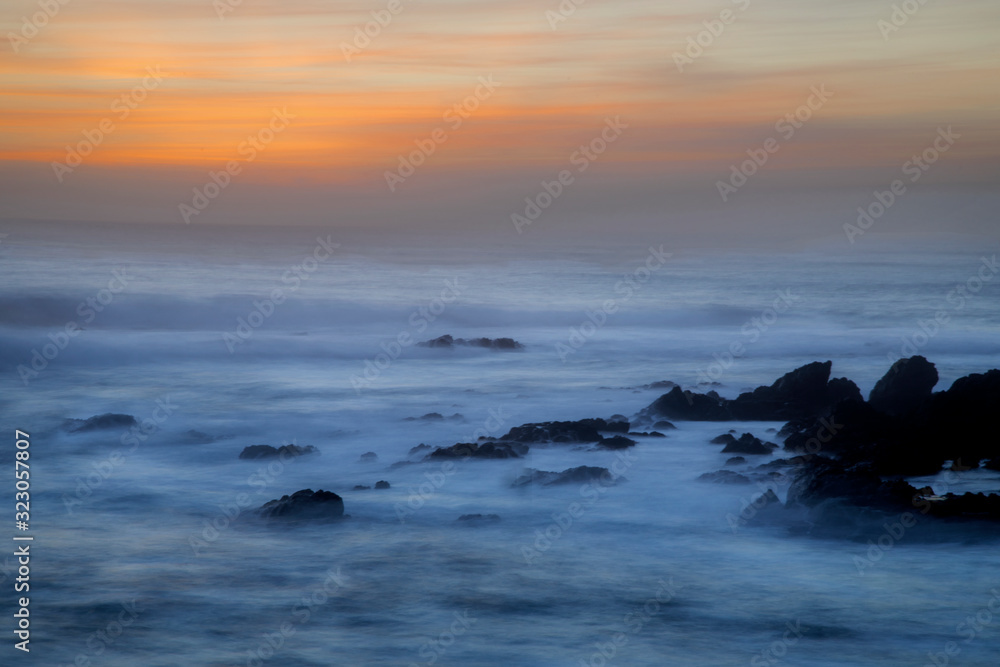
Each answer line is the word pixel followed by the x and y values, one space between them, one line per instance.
pixel 905 387
pixel 661 384
pixel 993 464
pixel 305 504
pixel 419 449
pixel 616 442
pixel 735 460
pixel 665 425
pixel 101 422
pixel 578 475
pixel 381 484
pixel 745 444
pixel 267 451
pixel 369 457
pixel 800 393
pixel 724 477
pixel 362 487
pixel 496 449
pixel 479 518
pixel 644 434
pixel 842 389
pixel 429 417
pixel 584 430
pixel 448 342
pixel 688 405
pixel 858 485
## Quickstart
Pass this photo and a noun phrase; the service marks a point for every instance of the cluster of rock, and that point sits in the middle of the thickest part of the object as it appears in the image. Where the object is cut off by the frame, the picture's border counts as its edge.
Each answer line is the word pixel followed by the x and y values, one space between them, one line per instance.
pixel 254 452
pixel 447 341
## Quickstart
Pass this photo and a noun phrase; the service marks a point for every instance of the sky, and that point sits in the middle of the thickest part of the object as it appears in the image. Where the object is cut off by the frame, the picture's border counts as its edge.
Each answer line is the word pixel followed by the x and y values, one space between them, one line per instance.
pixel 451 115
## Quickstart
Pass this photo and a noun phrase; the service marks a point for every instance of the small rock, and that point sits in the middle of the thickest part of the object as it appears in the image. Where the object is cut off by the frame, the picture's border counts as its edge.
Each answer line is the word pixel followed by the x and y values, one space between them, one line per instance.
pixel 382 484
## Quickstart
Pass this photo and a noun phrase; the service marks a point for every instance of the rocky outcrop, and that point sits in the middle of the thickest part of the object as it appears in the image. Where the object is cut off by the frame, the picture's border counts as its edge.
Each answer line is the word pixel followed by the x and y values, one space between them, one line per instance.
pixel 496 449
pixel 745 444
pixel 305 505
pixel 578 475
pixel 905 387
pixel 100 422
pixel 616 442
pixel 448 342
pixel 382 484
pixel 254 452
pixel 689 406
pixel 584 430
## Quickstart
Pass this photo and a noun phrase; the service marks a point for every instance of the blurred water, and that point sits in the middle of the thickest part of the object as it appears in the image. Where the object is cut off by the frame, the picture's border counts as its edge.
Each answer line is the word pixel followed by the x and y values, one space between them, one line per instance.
pixel 655 558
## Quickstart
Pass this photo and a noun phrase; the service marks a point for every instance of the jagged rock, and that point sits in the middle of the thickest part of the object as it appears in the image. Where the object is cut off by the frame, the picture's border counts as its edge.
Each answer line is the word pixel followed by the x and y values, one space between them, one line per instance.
pixel 905 387
pixel 101 422
pixel 305 504
pixel 368 457
pixel 381 484
pixel 578 475
pixel 496 449
pixel 690 406
pixel 267 451
pixel 745 444
pixel 724 477
pixel 419 449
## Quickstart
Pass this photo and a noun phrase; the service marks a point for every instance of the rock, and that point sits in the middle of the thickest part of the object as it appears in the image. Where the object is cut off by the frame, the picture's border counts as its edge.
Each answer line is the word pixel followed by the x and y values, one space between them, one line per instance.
pixel 745 444
pixel 254 452
pixel 419 449
pixel 496 449
pixel 305 504
pixel 735 461
pixel 644 434
pixel 689 406
pixel 993 464
pixel 801 393
pixel 665 425
pixel 578 475
pixel 479 518
pixel 616 442
pixel 724 477
pixel 858 485
pixel 101 422
pixel 362 487
pixel 448 342
pixel 584 430
pixel 429 417
pixel 660 384
pixel 368 457
pixel 905 387
pixel 382 484
pixel 842 389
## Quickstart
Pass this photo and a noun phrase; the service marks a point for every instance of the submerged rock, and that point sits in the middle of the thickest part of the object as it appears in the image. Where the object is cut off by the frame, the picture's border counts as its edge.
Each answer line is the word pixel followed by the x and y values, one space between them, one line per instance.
pixel 305 504
pixel 101 422
pixel 578 475
pixel 479 518
pixel 724 477
pixel 616 442
pixel 584 430
pixel 254 452
pixel 745 444
pixel 382 484
pixel 368 457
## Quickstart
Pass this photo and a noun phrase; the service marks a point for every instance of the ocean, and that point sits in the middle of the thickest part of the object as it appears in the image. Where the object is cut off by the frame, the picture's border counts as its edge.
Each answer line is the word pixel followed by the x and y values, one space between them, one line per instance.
pixel 146 550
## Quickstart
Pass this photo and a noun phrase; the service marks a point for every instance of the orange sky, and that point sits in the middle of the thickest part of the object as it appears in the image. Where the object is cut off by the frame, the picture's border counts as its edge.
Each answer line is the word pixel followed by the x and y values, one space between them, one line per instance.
pixel 223 77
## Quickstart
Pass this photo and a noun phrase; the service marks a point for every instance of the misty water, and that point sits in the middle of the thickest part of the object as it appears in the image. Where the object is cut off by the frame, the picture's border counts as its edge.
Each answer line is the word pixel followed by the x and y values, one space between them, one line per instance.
pixel 147 553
